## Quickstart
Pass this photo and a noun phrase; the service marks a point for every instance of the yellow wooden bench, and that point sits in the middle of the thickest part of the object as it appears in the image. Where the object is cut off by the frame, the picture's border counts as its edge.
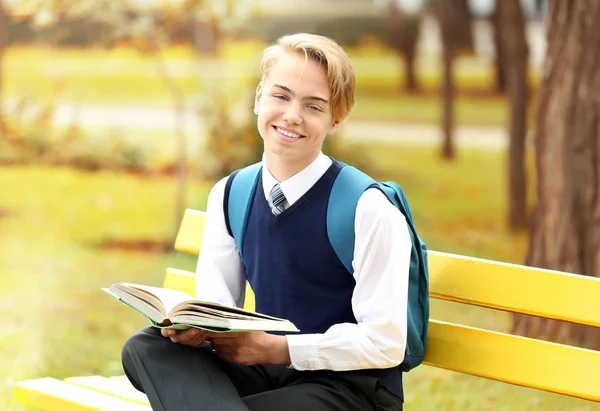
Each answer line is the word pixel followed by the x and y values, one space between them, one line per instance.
pixel 522 361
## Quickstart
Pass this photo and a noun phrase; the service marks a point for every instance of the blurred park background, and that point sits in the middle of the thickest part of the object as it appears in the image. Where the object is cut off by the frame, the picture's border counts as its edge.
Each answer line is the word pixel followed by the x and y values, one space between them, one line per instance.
pixel 116 115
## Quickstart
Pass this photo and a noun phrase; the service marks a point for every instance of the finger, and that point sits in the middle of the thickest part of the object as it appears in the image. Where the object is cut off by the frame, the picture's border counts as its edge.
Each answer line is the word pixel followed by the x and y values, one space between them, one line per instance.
pixel 227 335
pixel 192 337
pixel 224 338
pixel 186 335
pixel 178 336
pixel 190 332
pixel 203 334
pixel 167 332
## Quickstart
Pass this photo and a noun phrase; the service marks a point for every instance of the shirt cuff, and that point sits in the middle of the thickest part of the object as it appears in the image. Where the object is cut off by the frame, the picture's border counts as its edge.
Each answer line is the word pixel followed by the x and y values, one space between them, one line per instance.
pixel 304 352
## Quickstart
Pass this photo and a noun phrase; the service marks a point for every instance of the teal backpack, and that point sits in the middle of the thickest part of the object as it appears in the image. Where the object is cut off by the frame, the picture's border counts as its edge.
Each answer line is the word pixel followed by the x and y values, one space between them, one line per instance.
pixel 348 187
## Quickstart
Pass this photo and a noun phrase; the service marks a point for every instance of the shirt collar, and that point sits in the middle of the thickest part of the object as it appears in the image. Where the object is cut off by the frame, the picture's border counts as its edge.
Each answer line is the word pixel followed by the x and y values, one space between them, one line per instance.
pixel 297 185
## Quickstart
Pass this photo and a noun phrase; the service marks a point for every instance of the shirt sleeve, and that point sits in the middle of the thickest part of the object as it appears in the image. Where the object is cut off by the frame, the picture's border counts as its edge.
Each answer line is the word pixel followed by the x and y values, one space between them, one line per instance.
pixel 380 299
pixel 219 272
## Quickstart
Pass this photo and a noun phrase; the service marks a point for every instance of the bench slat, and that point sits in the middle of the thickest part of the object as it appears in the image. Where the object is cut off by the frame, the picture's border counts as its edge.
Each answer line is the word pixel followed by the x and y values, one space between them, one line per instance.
pixel 181 280
pixel 516 288
pixel 189 236
pixel 110 387
pixel 517 360
pixel 186 281
pixel 54 395
pixel 120 379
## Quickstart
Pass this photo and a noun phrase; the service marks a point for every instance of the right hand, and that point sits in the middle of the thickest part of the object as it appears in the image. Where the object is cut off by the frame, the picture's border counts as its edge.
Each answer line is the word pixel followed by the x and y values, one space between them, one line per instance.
pixel 192 336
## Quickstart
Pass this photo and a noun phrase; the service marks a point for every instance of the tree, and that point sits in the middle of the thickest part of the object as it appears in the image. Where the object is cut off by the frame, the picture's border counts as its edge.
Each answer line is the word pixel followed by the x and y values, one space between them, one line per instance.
pixel 455 27
pixel 149 35
pixel 149 29
pixel 221 16
pixel 404 33
pixel 4 20
pixel 566 228
pixel 511 23
pixel 499 60
pixel 215 18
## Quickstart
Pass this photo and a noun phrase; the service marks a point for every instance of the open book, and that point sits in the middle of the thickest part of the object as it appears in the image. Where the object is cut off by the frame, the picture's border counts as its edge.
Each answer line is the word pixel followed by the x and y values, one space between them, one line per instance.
pixel 166 308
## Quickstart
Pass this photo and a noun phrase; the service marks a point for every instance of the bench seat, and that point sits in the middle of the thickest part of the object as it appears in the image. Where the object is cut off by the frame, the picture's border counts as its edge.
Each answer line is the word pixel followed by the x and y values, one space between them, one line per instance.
pixel 81 394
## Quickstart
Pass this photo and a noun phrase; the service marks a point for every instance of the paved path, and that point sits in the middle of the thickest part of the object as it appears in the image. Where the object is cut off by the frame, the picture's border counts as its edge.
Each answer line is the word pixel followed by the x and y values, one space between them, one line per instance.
pixel 164 119
pixel 488 138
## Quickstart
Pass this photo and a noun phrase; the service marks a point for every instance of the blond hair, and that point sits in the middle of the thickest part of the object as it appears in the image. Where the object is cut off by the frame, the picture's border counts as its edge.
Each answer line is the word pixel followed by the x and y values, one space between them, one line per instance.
pixel 328 54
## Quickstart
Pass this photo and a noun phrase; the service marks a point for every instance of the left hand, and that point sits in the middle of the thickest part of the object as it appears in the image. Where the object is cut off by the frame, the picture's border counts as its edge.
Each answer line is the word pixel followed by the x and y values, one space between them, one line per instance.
pixel 192 337
pixel 250 348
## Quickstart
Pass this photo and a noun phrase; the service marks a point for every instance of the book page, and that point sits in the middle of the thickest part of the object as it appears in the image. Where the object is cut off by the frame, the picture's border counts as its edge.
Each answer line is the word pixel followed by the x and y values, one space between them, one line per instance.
pixel 224 312
pixel 169 298
pixel 220 309
pixel 141 306
pixel 232 324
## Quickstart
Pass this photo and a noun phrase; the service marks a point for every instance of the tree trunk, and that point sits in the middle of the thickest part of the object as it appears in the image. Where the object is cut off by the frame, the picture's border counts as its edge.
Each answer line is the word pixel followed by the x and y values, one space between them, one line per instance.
pixel 448 151
pixel 181 151
pixel 455 28
pixel 206 37
pixel 499 63
pixel 4 20
pixel 566 228
pixel 412 86
pixel 514 46
pixel 404 35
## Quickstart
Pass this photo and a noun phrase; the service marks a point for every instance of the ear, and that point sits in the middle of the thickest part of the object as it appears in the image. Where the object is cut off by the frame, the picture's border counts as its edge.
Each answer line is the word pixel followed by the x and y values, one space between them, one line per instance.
pixel 258 97
pixel 334 127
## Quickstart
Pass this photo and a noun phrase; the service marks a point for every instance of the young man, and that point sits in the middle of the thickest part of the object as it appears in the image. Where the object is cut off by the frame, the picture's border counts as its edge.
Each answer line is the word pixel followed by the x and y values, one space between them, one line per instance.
pixel 351 350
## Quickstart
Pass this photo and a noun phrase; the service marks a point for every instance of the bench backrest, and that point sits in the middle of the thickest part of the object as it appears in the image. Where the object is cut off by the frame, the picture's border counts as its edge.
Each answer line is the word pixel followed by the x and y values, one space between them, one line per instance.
pixel 504 357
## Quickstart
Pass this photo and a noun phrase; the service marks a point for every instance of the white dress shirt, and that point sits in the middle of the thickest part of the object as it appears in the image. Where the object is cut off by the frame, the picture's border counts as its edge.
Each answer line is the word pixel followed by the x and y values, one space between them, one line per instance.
pixel 381 266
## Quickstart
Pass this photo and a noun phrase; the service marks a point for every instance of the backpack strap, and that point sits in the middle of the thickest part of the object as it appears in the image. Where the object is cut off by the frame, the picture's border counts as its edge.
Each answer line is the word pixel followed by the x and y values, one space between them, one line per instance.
pixel 398 198
pixel 348 187
pixel 239 192
pixel 418 290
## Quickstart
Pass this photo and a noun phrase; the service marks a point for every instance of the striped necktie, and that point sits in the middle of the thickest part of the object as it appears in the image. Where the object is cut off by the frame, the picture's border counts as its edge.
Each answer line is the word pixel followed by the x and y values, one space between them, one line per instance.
pixel 278 199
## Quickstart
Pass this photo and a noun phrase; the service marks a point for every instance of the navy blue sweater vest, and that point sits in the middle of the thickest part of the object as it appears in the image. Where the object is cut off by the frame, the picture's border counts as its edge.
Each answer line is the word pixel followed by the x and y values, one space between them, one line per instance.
pixel 294 271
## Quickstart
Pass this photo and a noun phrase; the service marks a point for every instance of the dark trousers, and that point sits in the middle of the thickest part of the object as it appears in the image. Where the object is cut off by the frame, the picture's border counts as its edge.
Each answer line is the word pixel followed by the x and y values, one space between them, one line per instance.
pixel 176 377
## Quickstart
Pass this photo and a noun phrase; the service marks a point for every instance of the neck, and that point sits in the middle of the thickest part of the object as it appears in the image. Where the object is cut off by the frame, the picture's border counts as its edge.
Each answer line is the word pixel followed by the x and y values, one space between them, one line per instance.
pixel 284 168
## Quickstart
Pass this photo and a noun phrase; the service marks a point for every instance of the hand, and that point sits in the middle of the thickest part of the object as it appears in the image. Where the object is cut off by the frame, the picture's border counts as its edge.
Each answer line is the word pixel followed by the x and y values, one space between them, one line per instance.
pixel 192 336
pixel 251 348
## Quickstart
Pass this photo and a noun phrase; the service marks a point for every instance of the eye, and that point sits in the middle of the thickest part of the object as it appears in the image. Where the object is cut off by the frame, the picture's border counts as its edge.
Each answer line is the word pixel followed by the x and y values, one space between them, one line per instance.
pixel 316 108
pixel 281 97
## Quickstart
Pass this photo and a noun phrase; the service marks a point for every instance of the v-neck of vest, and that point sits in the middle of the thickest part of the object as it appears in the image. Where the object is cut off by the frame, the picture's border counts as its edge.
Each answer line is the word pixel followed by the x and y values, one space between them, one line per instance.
pixel 304 198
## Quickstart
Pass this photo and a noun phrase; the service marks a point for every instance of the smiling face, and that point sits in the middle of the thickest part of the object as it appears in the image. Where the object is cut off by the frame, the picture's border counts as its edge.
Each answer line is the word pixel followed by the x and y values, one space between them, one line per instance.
pixel 294 112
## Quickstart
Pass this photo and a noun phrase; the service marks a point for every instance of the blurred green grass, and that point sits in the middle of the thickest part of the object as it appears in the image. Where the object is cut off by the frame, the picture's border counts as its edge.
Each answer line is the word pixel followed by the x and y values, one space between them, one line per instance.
pixel 60 324
pixel 126 77
pixel 53 219
pixel 427 109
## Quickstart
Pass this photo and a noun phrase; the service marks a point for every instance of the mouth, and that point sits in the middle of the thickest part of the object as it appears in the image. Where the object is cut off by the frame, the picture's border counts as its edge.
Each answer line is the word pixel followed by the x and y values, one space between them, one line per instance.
pixel 288 135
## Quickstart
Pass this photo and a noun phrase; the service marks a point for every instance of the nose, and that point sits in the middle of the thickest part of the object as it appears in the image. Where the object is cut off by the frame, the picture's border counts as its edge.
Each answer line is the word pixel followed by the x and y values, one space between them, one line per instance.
pixel 292 114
